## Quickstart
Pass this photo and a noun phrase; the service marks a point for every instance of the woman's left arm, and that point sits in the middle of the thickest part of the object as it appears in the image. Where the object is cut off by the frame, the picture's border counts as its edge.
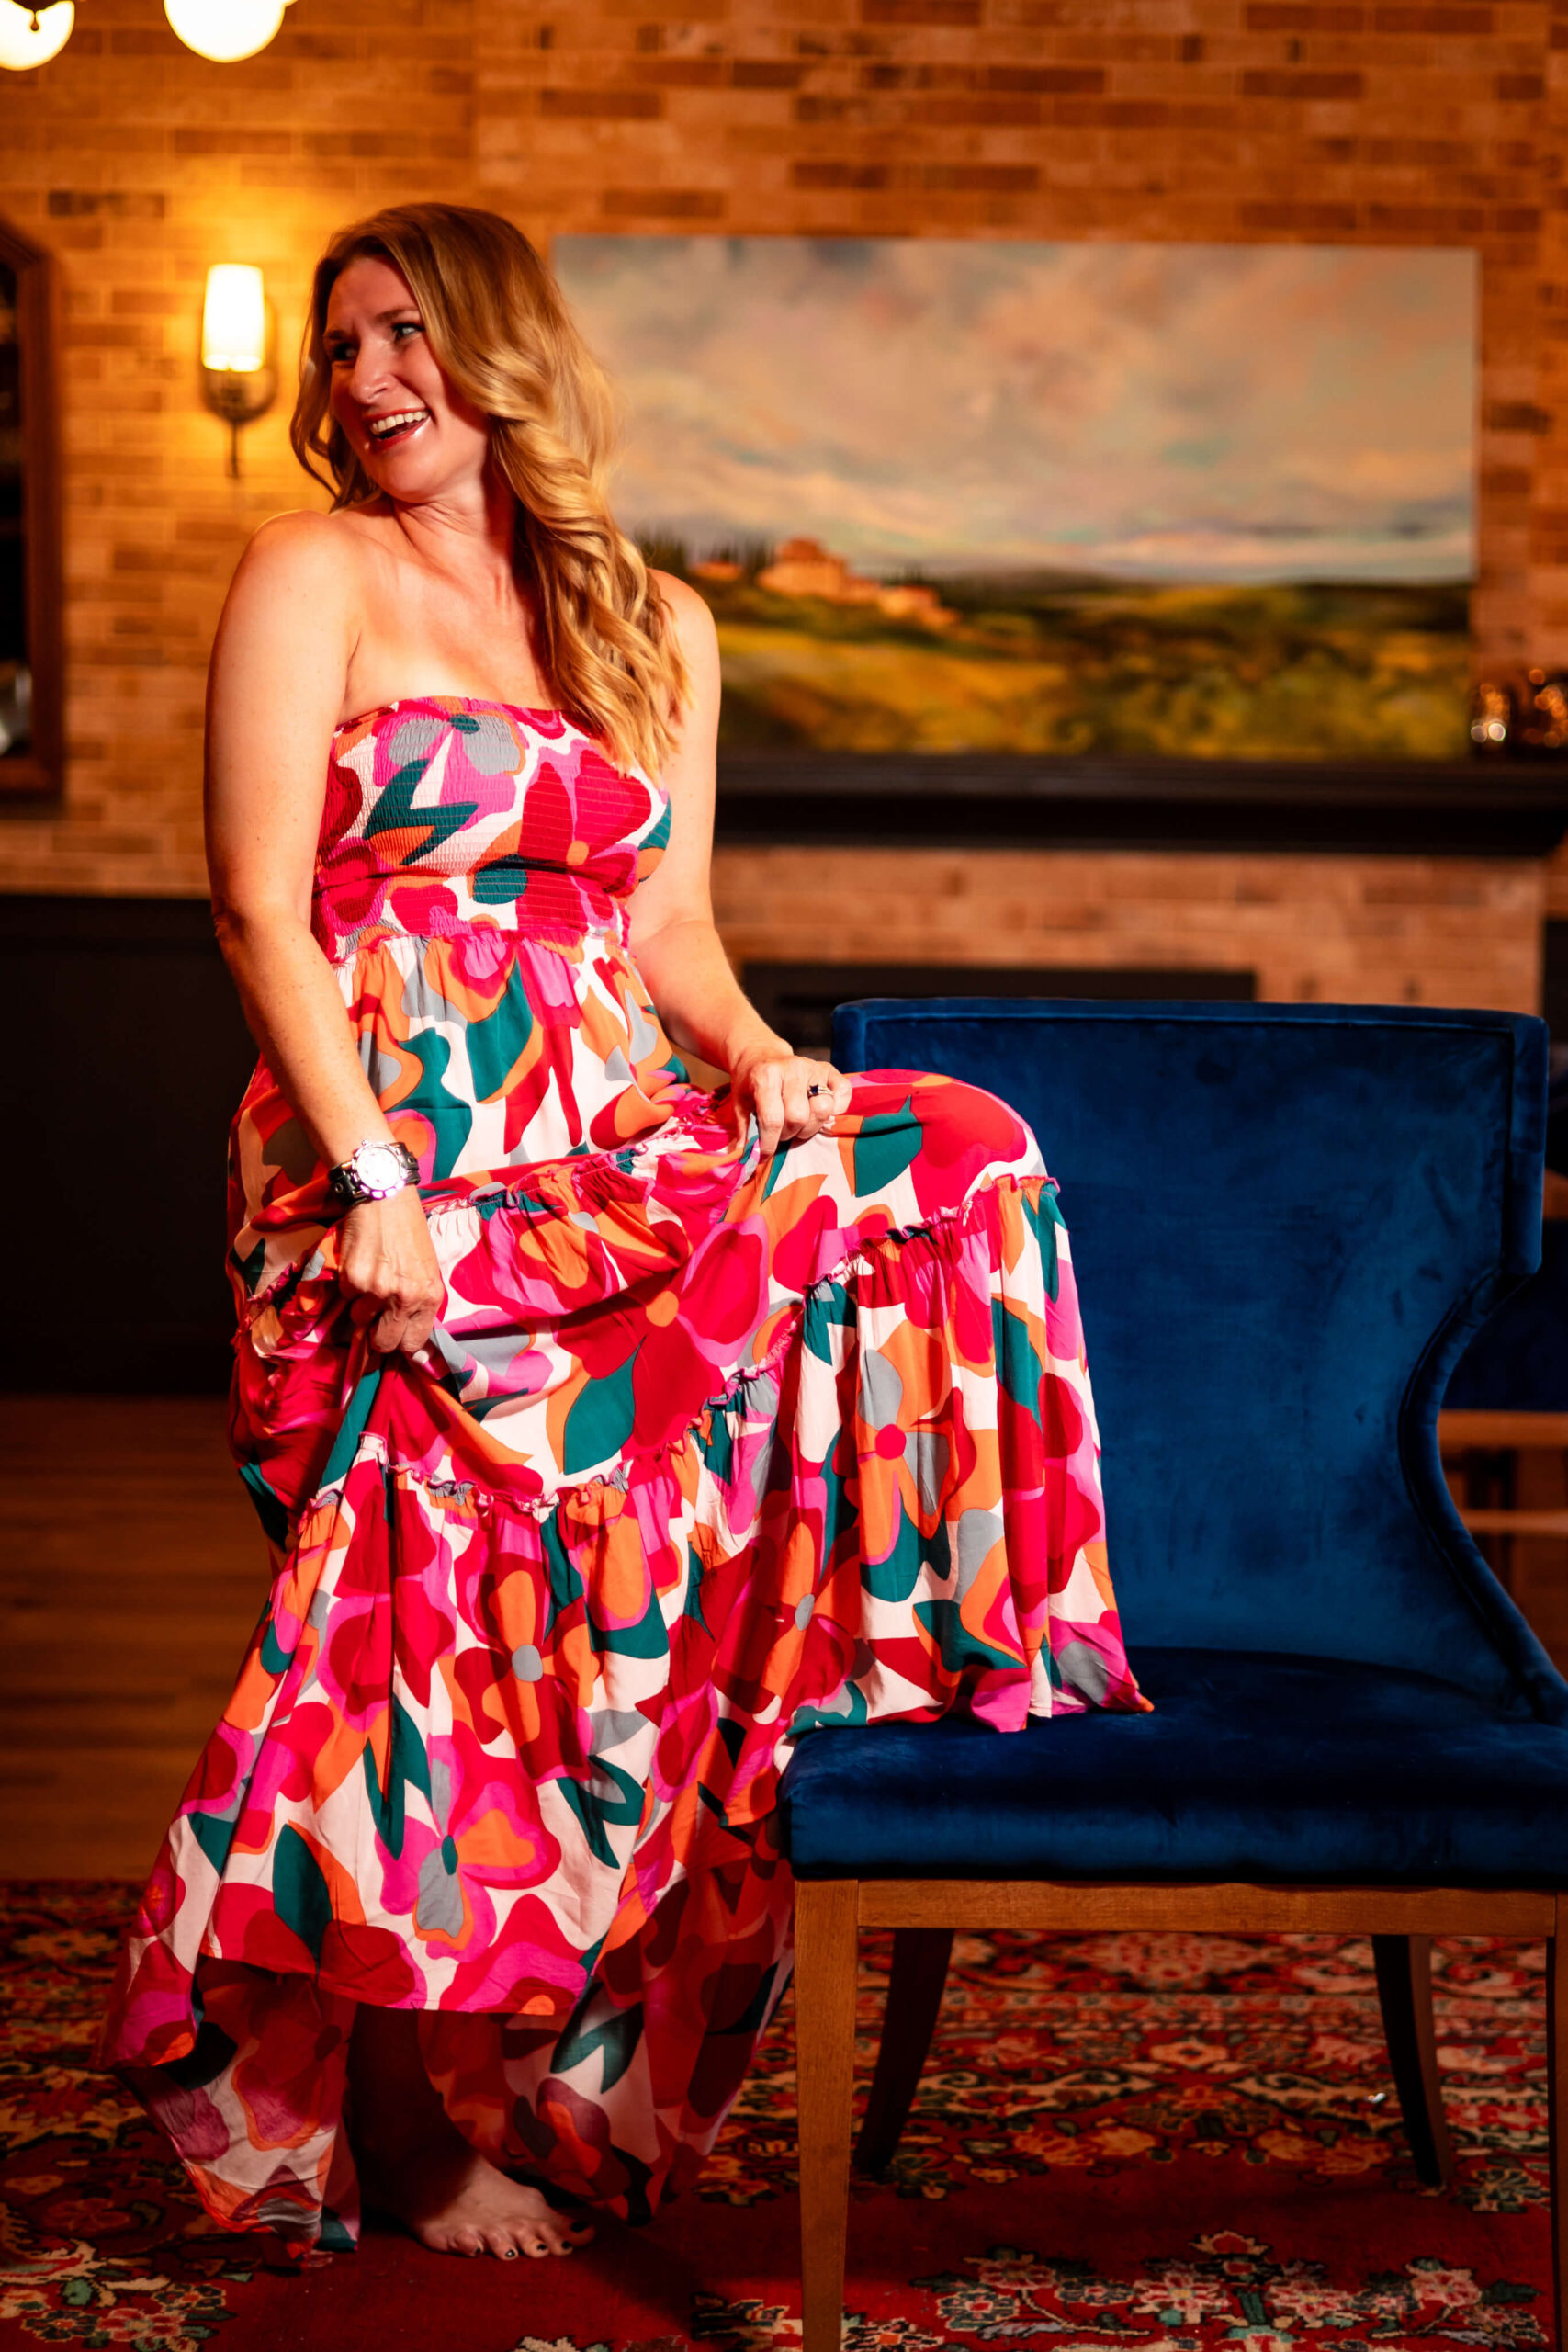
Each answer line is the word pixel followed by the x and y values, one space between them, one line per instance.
pixel 672 926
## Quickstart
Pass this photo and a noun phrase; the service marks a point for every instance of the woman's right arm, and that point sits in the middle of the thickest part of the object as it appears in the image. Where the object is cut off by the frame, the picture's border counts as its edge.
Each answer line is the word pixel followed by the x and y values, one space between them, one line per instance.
pixel 274 692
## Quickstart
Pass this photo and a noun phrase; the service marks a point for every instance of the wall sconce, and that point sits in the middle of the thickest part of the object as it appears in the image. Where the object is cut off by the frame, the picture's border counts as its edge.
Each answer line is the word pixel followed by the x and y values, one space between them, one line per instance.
pixel 225 29
pixel 31 35
pixel 239 378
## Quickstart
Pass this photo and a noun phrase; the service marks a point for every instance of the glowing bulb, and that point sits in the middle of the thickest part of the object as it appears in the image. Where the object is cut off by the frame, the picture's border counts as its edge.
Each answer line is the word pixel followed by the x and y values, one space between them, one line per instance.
pixel 32 38
pixel 224 29
pixel 234 319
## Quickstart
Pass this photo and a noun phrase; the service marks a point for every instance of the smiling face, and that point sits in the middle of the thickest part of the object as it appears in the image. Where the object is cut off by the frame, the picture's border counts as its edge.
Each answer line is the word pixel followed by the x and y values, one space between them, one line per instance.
pixel 414 432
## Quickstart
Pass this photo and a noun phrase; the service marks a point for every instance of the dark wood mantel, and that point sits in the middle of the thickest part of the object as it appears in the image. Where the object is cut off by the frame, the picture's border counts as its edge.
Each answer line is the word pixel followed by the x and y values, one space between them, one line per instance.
pixel 1412 809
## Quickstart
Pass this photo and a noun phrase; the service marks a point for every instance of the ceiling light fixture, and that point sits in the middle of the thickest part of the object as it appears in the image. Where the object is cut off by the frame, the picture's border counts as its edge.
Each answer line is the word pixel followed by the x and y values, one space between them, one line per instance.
pixel 224 30
pixel 31 35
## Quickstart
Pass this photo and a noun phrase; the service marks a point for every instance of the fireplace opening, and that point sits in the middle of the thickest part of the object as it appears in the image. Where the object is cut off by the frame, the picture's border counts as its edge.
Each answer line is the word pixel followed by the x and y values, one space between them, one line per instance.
pixel 798 1000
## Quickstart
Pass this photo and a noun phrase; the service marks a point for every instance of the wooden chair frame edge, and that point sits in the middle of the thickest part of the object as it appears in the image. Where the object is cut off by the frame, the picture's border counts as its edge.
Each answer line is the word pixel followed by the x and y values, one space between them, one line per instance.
pixel 830 1912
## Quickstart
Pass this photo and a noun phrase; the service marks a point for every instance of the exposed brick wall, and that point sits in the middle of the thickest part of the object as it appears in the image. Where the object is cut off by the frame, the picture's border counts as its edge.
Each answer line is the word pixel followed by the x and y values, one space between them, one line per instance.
pixel 1340 120
pixel 1312 930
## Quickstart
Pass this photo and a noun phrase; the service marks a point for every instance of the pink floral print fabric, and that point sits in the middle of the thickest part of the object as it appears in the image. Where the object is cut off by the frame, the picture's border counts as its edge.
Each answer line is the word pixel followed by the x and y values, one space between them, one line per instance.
pixel 708 1451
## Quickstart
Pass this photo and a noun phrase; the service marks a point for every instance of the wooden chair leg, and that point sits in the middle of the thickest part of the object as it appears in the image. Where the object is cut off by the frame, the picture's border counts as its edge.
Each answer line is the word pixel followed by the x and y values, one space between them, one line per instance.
pixel 1557 2113
pixel 1403 1966
pixel 824 1936
pixel 914 1996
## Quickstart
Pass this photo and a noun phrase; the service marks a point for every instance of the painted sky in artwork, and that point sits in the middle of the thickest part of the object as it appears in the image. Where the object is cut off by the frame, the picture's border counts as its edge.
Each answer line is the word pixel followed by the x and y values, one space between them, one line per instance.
pixel 1195 413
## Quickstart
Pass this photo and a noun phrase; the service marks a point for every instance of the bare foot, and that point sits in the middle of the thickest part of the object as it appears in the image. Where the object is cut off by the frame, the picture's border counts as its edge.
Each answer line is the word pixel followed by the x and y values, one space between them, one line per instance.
pixel 416 2165
pixel 455 2201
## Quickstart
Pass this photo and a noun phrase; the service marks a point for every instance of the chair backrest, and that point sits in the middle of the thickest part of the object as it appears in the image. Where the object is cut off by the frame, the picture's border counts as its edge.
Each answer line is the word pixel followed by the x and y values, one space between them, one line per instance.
pixel 1518 1361
pixel 1286 1221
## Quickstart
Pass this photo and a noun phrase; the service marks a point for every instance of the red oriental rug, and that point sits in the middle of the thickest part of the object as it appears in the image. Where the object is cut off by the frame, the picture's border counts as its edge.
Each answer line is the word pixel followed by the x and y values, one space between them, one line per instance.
pixel 1146 2144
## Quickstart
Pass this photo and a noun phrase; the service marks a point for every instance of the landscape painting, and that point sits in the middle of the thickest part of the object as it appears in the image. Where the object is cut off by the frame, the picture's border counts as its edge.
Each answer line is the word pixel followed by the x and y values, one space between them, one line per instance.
pixel 982 496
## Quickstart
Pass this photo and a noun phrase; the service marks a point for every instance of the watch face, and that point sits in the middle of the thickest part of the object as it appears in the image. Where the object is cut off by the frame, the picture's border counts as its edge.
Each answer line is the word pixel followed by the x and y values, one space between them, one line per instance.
pixel 378 1164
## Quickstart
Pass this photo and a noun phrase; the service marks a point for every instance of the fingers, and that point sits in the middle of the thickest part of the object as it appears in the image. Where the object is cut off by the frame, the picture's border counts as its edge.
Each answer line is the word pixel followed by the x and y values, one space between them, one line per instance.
pixel 389 1270
pixel 405 1324
pixel 814 1095
pixel 793 1099
pixel 767 1104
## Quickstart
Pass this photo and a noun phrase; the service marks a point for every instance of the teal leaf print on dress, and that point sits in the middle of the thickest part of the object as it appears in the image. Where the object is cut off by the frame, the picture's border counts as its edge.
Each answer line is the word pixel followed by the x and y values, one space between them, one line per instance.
pixel 650 1637
pixel 407 1766
pixel 695 1572
pixel 885 1146
pixel 565 1584
pixel 660 837
pixel 300 1892
pixel 616 2039
pixel 350 1428
pixel 214 1832
pixel 1043 1223
pixel 275 1658
pixel 957 1646
pixel 395 813
pixel 599 1813
pixel 270 1508
pixel 495 1043
pixel 450 1118
pixel 849 1707
pixel 896 1576
pixel 500 882
pixel 827 1305
pixel 1019 1369
pixel 601 1420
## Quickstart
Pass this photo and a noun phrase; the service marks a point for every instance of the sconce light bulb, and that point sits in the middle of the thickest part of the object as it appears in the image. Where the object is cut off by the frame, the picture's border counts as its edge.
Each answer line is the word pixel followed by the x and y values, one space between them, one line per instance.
pixel 31 35
pixel 234 319
pixel 224 30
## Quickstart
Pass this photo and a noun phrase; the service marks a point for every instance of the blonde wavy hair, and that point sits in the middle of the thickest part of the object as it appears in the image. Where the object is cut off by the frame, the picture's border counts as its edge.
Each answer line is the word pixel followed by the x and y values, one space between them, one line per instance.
pixel 498 327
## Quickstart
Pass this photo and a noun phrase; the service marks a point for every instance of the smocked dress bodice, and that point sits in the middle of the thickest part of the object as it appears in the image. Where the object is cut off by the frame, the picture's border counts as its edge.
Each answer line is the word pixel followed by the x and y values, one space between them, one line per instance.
pixel 444 815
pixel 473 875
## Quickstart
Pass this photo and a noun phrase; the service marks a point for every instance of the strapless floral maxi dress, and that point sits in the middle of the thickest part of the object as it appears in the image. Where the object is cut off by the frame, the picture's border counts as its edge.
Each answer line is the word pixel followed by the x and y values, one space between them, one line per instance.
pixel 708 1450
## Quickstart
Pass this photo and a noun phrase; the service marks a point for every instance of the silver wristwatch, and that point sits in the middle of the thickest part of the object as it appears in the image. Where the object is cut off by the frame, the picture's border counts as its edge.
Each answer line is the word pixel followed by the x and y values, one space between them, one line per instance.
pixel 373 1171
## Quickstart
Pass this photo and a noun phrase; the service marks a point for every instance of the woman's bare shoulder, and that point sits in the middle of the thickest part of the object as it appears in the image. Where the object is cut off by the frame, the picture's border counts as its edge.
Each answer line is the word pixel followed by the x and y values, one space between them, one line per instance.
pixel 309 548
pixel 688 610
pixel 694 634
pixel 292 615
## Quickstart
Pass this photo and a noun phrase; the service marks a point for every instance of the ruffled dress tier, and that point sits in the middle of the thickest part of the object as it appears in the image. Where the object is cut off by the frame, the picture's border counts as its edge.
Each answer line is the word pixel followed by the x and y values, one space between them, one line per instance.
pixel 708 1450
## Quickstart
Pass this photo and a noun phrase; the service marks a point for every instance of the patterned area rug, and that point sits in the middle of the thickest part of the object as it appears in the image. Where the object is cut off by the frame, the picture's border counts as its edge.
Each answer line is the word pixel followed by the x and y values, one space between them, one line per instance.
pixel 1162 2144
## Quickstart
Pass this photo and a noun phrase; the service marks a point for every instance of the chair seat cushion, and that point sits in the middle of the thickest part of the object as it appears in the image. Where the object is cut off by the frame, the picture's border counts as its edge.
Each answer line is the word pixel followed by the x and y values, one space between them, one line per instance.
pixel 1257 1769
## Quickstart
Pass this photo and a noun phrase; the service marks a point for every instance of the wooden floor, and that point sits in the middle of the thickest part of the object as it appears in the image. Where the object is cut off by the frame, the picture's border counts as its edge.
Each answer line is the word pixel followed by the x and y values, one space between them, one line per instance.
pixel 131 1573
pixel 133 1570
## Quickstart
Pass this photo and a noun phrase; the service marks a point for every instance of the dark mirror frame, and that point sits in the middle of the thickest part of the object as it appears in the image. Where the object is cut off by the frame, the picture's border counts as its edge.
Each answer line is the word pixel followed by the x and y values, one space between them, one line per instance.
pixel 39 767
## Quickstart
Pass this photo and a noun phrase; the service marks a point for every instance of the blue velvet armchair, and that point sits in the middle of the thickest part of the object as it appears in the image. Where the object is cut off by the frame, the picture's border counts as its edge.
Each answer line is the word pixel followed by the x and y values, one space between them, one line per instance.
pixel 1287 1222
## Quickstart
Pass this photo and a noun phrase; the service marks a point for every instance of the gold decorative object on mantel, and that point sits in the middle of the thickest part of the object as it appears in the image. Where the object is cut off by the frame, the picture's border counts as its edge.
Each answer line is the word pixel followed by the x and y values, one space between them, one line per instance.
pixel 1491 718
pixel 1522 717
pixel 1543 723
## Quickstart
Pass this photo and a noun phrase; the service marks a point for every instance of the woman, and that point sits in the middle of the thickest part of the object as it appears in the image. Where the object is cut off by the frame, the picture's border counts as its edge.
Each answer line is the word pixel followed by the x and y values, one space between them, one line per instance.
pixel 609 1433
